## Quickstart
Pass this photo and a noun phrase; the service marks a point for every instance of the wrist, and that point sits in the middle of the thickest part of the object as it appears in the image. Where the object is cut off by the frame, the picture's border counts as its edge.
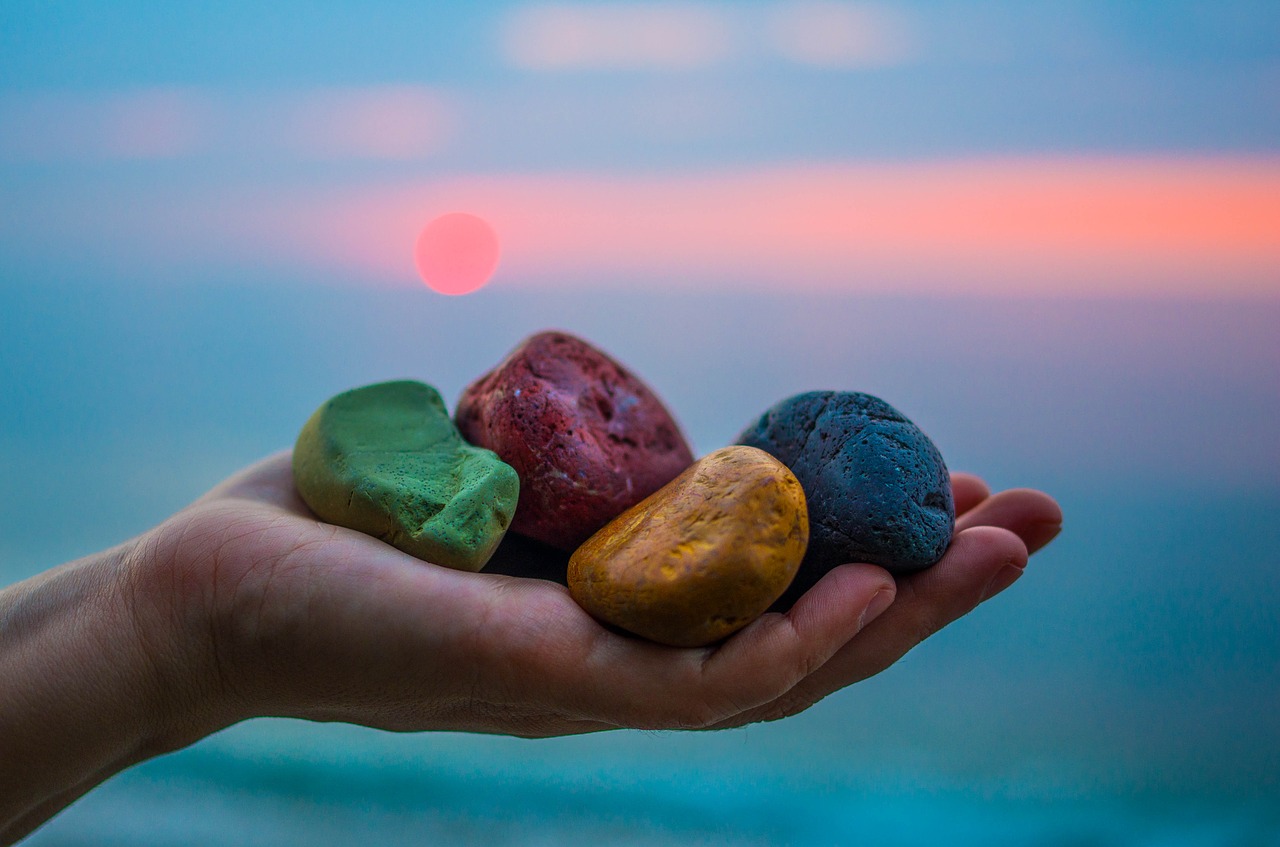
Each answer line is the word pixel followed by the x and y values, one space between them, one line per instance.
pixel 77 691
pixel 169 609
pixel 96 673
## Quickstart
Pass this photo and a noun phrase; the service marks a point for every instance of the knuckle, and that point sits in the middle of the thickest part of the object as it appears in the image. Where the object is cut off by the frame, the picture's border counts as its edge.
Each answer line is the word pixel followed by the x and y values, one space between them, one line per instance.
pixel 808 664
pixel 681 714
pixel 698 715
pixel 789 706
pixel 925 624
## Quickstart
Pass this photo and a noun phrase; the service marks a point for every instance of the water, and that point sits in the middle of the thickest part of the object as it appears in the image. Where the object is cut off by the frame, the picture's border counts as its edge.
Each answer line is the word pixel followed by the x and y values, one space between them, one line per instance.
pixel 1122 693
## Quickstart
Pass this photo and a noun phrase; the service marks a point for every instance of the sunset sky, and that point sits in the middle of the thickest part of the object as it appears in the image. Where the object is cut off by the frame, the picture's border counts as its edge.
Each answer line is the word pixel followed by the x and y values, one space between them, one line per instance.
pixel 1048 232
pixel 1090 148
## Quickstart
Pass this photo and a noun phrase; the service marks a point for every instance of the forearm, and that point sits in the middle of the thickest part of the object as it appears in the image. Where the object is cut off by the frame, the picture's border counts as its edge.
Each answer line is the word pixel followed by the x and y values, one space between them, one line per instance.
pixel 82 695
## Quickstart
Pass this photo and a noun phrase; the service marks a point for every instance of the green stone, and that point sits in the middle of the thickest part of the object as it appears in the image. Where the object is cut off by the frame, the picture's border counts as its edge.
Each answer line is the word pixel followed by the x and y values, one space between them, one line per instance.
pixel 387 460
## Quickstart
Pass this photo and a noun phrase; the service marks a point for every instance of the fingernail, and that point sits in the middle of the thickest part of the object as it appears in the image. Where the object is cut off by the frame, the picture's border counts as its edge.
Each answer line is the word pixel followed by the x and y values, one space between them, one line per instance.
pixel 882 600
pixel 1039 534
pixel 1005 577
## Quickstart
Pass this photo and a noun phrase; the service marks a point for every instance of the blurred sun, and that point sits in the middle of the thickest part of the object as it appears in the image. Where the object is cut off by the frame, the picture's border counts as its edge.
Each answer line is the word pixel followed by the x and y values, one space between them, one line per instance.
pixel 456 253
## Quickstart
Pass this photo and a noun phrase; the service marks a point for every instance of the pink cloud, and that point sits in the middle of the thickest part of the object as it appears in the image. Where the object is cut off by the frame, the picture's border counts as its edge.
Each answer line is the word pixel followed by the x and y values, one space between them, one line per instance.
pixel 154 123
pixel 149 123
pixel 1067 225
pixel 371 122
pixel 832 34
pixel 682 36
pixel 385 122
pixel 554 36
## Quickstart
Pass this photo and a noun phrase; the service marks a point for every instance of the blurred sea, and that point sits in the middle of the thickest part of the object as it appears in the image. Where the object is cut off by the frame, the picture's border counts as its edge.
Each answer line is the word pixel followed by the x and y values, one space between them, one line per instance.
pixel 1124 692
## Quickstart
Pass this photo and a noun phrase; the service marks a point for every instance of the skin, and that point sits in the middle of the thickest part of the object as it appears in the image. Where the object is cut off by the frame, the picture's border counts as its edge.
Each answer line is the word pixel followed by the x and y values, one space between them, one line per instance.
pixel 245 605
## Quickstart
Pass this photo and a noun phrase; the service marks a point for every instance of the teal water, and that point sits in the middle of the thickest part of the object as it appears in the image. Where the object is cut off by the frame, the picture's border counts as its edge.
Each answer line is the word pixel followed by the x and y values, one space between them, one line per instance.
pixel 1122 693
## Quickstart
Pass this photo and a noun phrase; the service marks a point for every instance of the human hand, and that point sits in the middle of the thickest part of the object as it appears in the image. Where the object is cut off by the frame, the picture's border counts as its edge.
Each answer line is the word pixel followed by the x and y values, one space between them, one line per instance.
pixel 245 605
pixel 994 537
pixel 291 616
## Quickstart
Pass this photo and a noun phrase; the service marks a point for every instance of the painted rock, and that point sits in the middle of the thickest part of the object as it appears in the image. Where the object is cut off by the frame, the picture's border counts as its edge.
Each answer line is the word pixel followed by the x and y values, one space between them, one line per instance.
pixel 703 557
pixel 877 487
pixel 587 437
pixel 386 460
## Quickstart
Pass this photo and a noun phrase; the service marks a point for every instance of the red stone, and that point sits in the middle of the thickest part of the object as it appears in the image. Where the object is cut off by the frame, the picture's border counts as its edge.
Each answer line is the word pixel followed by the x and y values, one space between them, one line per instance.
pixel 587 437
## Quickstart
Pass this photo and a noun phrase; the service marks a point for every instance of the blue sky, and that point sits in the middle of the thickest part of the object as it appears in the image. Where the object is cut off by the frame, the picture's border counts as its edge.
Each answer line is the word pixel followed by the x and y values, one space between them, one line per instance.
pixel 972 77
pixel 144 138
pixel 201 238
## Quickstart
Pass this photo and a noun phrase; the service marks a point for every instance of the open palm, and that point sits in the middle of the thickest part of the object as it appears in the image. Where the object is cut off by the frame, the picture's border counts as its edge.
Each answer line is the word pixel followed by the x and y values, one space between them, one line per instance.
pixel 306 619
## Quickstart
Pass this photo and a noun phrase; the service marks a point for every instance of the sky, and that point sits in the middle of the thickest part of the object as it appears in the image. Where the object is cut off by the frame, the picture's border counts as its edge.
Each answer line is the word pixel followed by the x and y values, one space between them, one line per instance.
pixel 1091 149
pixel 1049 232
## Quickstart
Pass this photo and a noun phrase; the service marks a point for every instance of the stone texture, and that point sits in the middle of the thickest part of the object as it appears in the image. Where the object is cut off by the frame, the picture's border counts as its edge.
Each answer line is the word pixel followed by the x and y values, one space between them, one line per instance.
pixel 587 437
pixel 877 487
pixel 386 460
pixel 701 558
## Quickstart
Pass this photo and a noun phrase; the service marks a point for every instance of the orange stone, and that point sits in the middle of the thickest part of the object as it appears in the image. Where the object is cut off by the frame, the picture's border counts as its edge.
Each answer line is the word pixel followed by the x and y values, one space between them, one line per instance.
pixel 702 557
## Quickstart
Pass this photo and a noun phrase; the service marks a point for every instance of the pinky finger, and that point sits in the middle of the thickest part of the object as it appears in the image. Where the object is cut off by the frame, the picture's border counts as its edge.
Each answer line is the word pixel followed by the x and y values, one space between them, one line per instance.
pixel 968 490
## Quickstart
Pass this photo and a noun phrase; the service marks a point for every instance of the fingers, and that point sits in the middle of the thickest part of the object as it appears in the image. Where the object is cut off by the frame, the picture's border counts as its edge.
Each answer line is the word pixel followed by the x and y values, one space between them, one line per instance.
pixel 980 562
pixel 778 650
pixel 652 687
pixel 1033 516
pixel 929 600
pixel 968 491
pixel 582 677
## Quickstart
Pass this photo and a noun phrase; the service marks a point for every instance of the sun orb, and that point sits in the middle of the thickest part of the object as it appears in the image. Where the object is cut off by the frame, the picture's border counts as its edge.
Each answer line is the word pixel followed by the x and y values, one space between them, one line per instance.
pixel 456 253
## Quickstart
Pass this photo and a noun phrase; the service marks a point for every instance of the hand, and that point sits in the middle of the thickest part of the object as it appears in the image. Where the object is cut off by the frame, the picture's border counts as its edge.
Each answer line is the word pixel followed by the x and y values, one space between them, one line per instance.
pixel 244 604
pixel 993 539
pixel 300 618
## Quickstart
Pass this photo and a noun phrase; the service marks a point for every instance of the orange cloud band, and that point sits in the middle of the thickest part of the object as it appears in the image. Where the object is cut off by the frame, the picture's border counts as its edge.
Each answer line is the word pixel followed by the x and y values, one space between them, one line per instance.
pixel 1072 225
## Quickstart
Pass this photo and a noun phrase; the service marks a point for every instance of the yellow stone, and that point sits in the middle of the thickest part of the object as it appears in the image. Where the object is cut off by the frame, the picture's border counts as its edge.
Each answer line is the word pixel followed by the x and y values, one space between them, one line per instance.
pixel 700 558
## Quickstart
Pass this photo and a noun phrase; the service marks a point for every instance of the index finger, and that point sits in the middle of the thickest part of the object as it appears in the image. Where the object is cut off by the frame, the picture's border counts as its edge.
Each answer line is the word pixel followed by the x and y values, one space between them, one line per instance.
pixel 633 683
pixel 926 602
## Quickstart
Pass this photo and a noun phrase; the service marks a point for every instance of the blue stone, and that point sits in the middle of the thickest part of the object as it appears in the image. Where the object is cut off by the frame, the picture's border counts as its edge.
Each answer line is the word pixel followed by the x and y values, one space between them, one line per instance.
pixel 877 488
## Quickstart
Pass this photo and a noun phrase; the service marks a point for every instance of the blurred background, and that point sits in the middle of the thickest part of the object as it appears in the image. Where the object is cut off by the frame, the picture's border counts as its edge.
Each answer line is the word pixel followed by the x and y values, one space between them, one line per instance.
pixel 1048 232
